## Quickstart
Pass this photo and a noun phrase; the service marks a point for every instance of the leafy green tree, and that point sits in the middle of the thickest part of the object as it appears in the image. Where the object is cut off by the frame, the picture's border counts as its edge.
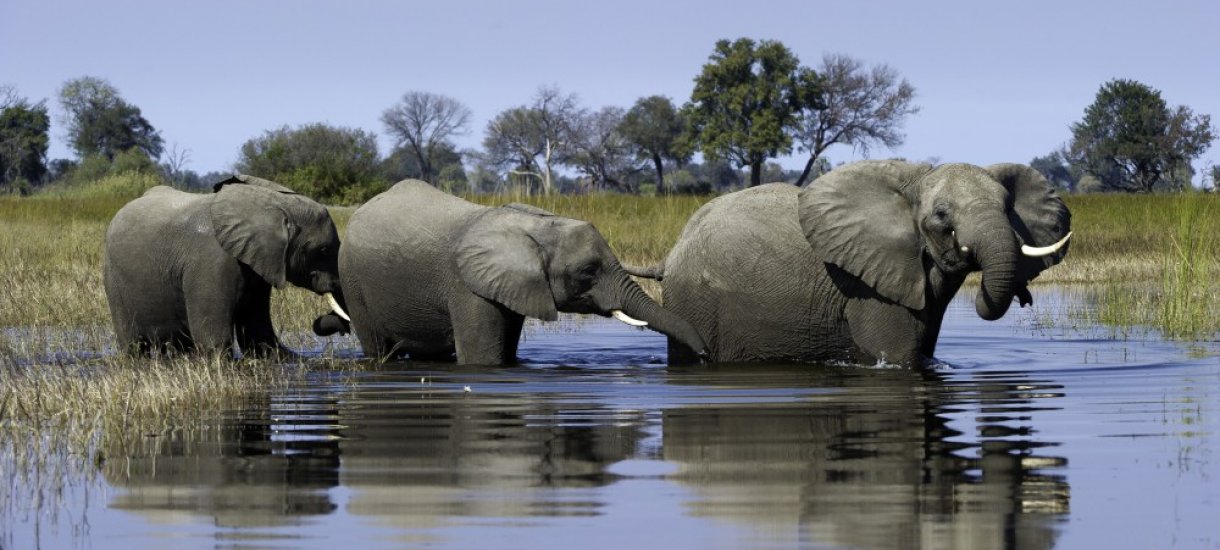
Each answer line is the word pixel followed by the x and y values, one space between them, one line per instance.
pixel 855 106
pixel 100 122
pixel 745 102
pixel 24 138
pixel 1130 140
pixel 423 123
pixel 329 163
pixel 655 126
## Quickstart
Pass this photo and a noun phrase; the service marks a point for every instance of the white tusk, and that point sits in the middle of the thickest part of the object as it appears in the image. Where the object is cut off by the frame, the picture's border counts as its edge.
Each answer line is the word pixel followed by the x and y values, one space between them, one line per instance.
pixel 1040 251
pixel 618 314
pixel 334 306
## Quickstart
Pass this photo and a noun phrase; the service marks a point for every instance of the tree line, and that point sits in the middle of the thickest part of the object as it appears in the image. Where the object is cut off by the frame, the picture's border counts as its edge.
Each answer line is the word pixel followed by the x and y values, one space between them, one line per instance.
pixel 750 103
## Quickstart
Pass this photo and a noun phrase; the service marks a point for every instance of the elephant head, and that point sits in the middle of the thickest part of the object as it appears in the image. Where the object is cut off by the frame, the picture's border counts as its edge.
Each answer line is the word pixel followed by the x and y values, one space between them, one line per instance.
pixel 897 226
pixel 282 236
pixel 538 264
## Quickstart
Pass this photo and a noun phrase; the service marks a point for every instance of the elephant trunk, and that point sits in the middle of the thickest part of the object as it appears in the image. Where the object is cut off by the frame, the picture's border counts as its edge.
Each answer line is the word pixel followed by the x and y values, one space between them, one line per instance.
pixel 633 301
pixel 997 257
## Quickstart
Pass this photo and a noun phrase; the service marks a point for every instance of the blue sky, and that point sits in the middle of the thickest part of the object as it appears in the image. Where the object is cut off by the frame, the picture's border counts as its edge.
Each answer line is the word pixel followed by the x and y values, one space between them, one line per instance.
pixel 996 82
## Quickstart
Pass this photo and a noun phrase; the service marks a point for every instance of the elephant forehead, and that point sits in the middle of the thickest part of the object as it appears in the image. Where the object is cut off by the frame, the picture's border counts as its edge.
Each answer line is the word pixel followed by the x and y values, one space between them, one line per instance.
pixel 963 178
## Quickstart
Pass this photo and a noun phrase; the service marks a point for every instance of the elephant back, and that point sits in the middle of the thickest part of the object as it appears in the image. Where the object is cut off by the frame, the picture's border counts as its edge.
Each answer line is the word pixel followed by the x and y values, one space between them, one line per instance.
pixel 153 212
pixel 736 219
pixel 410 216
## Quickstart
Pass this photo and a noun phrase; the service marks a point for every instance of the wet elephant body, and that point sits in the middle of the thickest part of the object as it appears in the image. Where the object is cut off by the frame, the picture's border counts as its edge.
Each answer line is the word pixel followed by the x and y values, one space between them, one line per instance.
pixel 186 271
pixel 859 265
pixel 431 276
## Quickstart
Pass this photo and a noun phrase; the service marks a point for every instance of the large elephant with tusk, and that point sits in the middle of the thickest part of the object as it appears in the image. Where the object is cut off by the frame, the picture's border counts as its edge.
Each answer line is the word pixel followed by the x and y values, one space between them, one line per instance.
pixel 861 263
pixel 434 277
pixel 186 271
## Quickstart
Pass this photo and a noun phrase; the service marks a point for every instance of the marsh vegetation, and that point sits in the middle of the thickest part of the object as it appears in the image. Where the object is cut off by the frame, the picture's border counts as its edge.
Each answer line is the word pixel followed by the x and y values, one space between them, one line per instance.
pixel 1152 259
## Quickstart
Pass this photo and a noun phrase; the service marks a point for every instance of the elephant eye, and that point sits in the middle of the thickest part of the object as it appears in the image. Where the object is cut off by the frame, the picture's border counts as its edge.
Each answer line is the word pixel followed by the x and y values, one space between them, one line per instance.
pixel 940 218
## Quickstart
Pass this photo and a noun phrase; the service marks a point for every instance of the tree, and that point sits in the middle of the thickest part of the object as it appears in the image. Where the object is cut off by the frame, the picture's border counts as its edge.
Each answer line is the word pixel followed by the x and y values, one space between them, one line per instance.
pixel 1057 170
pixel 24 138
pixel 101 123
pixel 856 107
pixel 601 151
pixel 511 142
pixel 745 102
pixel 403 163
pixel 531 141
pixel 423 122
pixel 1130 140
pixel 174 165
pixel 554 114
pixel 655 126
pixel 329 163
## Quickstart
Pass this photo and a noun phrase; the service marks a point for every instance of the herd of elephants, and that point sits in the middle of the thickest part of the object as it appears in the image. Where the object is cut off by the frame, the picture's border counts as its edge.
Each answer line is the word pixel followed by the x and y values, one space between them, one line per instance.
pixel 858 266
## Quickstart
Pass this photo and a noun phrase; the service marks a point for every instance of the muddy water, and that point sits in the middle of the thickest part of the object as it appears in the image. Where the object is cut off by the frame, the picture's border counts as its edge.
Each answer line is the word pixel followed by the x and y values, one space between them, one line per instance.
pixel 1030 436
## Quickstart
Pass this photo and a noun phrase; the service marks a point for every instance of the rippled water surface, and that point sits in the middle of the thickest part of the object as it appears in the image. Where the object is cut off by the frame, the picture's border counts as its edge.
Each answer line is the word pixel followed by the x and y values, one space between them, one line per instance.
pixel 1031 436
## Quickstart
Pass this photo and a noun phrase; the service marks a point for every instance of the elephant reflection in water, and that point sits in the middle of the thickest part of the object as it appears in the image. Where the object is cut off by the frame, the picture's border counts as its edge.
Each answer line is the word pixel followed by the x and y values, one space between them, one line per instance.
pixel 410 460
pixel 417 462
pixel 876 464
pixel 244 474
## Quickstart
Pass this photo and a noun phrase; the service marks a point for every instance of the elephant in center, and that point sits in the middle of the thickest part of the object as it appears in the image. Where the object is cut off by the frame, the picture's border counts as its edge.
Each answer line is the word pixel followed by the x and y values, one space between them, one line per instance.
pixel 429 275
pixel 860 264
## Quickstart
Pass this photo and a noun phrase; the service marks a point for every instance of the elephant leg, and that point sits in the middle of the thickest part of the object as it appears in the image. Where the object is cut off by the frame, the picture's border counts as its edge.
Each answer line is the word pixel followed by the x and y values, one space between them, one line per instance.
pixel 484 332
pixel 211 300
pixel 884 332
pixel 211 326
pixel 252 321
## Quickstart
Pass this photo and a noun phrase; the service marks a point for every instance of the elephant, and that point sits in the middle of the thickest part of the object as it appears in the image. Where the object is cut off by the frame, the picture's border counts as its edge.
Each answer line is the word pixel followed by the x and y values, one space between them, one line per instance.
pixel 434 277
pixel 188 271
pixel 860 264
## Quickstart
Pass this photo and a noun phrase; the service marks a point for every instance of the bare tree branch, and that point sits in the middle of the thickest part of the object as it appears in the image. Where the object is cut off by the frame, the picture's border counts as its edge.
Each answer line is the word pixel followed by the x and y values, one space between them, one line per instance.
pixel 860 108
pixel 423 122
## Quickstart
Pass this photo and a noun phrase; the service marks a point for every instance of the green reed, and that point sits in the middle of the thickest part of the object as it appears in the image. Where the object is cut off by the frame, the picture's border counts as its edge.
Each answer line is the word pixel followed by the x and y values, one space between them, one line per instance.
pixel 1154 258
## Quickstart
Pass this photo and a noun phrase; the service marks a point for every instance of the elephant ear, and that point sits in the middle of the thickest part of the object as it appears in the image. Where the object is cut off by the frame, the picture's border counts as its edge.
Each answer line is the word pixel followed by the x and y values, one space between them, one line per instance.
pixel 1038 215
pixel 859 218
pixel 242 179
pixel 499 260
pixel 251 227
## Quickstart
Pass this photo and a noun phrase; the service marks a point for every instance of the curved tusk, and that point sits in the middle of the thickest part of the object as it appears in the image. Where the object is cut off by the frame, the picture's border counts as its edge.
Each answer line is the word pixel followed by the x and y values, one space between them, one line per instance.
pixel 334 306
pixel 1040 251
pixel 618 314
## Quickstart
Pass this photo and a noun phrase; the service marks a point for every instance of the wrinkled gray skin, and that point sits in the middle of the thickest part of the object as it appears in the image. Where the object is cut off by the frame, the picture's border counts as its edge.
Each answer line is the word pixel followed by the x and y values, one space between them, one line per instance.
pixel 185 271
pixel 430 275
pixel 860 264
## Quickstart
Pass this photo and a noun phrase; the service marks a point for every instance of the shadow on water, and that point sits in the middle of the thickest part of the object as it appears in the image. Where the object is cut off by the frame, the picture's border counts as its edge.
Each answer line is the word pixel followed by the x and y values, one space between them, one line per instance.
pixel 591 442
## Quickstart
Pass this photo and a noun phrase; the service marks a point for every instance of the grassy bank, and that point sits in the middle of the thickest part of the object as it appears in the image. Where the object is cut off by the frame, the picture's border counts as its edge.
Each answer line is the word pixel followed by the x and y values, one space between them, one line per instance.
pixel 1153 259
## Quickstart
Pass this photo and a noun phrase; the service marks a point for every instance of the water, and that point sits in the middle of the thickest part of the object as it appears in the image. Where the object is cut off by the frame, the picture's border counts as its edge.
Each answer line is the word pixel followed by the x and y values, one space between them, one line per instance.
pixel 1030 436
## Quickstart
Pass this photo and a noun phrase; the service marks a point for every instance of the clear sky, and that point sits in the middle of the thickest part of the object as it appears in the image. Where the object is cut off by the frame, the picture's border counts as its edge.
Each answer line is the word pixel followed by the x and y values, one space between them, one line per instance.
pixel 996 81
